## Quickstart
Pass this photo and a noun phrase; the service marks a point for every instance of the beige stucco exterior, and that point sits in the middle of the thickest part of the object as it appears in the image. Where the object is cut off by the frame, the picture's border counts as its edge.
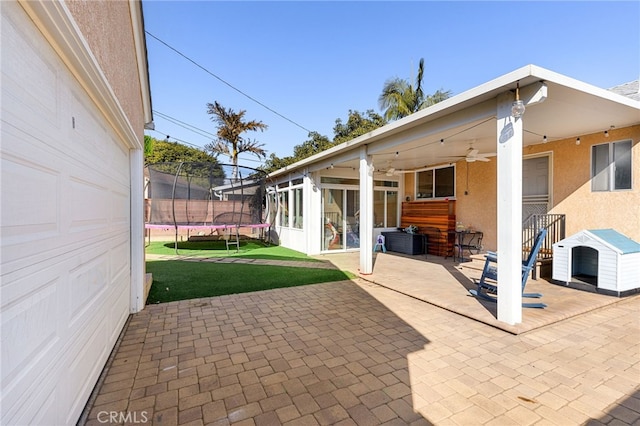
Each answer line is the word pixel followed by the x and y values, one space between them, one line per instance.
pixel 571 192
pixel 108 29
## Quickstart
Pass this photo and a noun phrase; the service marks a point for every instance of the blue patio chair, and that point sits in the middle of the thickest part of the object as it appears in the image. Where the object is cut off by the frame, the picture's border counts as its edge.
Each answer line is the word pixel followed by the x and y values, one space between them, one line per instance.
pixel 488 291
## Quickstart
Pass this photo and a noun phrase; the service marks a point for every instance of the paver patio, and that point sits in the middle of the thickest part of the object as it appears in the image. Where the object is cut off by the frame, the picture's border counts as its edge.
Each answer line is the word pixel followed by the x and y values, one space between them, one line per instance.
pixel 354 352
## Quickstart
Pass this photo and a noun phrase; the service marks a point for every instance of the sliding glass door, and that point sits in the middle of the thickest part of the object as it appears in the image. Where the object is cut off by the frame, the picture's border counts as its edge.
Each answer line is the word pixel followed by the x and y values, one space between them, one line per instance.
pixel 340 214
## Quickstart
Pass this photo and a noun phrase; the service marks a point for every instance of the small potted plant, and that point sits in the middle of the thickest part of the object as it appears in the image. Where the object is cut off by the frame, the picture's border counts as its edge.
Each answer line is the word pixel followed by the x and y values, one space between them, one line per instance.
pixel 411 229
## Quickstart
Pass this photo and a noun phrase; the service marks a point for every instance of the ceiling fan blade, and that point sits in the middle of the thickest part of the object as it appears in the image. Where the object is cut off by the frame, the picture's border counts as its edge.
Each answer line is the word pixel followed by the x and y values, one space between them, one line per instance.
pixel 472 153
pixel 485 159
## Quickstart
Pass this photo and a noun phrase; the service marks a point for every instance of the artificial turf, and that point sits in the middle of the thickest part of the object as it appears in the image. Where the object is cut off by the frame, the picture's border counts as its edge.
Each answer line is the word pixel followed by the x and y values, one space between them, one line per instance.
pixel 250 249
pixel 180 280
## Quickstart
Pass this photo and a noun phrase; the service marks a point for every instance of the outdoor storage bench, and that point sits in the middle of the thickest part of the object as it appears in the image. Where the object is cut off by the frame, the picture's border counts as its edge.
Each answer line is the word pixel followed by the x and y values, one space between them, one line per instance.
pixel 403 242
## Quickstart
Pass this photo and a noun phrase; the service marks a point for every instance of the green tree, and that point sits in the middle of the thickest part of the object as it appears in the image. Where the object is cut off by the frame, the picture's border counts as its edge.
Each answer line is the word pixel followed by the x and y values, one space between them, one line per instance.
pixel 357 125
pixel 168 152
pixel 148 145
pixel 400 99
pixel 231 126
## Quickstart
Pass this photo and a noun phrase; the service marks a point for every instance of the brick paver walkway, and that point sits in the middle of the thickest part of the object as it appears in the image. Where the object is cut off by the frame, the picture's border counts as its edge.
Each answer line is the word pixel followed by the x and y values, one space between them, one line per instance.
pixel 356 353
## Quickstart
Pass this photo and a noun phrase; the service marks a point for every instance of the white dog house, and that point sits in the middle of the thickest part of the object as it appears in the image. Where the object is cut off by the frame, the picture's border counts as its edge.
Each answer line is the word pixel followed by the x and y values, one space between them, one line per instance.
pixel 602 260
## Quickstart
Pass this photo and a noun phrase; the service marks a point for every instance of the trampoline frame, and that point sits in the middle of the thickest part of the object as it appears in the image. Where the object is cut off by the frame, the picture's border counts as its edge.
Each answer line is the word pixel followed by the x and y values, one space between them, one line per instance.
pixel 227 227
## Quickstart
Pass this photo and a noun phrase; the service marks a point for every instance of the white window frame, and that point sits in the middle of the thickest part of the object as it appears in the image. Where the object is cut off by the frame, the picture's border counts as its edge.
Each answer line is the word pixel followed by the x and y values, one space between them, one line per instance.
pixel 433 197
pixel 385 190
pixel 610 169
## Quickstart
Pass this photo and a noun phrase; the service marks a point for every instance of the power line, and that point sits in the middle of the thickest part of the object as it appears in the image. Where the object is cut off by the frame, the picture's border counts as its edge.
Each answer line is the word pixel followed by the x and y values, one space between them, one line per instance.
pixel 227 83
pixel 187 126
pixel 201 148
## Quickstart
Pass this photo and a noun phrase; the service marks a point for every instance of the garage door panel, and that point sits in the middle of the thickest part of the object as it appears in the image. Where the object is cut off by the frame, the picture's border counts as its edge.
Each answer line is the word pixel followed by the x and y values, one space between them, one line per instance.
pixel 82 375
pixel 118 311
pixel 87 131
pixel 87 283
pixel 65 277
pixel 29 331
pixel 30 65
pixel 89 207
pixel 41 408
pixel 32 192
pixel 119 261
pixel 120 209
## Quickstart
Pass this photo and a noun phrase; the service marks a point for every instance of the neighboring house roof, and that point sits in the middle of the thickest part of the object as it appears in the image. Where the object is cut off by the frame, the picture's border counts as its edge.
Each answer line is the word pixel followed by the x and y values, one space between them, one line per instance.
pixel 624 244
pixel 630 90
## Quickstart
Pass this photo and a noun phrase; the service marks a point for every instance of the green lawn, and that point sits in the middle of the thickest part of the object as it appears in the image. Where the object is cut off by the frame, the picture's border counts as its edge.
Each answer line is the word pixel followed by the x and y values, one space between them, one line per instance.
pixel 249 249
pixel 180 280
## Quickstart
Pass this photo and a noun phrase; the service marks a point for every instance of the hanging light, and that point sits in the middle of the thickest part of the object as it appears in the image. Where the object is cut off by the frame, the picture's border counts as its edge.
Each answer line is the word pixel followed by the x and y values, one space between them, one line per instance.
pixel 544 139
pixel 441 141
pixel 517 108
pixel 578 141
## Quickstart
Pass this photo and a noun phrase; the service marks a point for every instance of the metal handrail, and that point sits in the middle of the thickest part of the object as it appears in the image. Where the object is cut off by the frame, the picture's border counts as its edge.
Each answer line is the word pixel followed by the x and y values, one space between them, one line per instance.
pixel 555 225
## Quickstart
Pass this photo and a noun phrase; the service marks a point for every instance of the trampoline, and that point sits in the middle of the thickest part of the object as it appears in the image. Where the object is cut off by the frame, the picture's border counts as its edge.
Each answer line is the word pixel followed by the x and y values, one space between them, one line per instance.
pixel 210 199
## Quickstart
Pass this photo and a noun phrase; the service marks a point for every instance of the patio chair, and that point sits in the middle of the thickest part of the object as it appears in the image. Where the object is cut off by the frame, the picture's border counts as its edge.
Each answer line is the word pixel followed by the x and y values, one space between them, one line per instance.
pixel 489 291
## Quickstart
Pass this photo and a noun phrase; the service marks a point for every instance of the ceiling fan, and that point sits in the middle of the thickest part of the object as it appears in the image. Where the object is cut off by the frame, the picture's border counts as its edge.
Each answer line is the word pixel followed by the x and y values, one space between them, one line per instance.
pixel 389 171
pixel 474 155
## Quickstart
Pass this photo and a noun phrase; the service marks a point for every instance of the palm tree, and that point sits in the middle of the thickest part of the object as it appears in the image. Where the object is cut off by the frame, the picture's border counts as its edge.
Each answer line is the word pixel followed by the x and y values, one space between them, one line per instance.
pixel 399 98
pixel 230 128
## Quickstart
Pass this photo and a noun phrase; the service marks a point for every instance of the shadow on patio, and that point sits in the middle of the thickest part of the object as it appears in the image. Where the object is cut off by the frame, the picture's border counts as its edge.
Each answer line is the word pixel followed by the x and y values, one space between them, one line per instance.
pixel 316 354
pixel 445 284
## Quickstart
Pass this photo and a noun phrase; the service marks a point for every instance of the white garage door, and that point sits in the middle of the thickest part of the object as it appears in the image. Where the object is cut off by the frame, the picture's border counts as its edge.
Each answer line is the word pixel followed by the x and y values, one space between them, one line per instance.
pixel 65 278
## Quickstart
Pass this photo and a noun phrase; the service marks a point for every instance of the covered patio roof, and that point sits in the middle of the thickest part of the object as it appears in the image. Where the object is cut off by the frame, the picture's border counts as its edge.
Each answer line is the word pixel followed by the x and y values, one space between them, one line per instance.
pixel 557 108
pixel 571 108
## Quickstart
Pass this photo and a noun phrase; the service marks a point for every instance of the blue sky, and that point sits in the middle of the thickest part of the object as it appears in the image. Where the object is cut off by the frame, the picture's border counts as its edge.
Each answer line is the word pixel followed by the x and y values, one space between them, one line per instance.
pixel 312 62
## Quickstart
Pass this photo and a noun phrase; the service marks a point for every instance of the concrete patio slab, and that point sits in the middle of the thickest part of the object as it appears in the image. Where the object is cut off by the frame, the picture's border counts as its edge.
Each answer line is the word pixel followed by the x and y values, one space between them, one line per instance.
pixel 444 283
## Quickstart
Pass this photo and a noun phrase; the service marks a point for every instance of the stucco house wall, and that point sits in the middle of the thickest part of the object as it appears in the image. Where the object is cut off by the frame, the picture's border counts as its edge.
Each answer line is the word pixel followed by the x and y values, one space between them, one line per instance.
pixel 107 28
pixel 571 192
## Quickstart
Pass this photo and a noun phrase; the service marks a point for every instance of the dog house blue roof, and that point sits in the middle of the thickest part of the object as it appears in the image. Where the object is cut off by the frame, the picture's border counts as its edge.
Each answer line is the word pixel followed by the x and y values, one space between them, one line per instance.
pixel 625 244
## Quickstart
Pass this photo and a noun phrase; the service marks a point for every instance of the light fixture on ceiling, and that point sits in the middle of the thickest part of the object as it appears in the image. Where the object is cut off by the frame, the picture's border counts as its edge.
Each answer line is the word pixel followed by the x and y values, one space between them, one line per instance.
pixel 441 141
pixel 517 108
pixel 606 132
pixel 396 154
pixel 544 139
pixel 578 141
pixel 331 166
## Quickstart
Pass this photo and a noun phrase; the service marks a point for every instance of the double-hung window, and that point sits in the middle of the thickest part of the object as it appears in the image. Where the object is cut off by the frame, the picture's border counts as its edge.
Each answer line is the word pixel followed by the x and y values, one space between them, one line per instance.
pixel 611 166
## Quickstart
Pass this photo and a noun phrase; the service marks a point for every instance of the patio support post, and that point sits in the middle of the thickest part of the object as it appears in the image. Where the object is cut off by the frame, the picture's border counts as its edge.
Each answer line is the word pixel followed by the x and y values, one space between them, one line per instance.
pixel 366 211
pixel 509 149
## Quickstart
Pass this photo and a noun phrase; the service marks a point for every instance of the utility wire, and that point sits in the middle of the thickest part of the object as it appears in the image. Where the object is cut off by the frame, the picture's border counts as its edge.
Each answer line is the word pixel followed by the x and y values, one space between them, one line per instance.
pixel 201 148
pixel 227 83
pixel 187 126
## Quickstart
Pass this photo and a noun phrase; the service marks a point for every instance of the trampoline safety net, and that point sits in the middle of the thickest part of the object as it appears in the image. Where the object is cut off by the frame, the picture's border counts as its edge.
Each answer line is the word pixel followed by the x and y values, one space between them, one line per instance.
pixel 204 196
